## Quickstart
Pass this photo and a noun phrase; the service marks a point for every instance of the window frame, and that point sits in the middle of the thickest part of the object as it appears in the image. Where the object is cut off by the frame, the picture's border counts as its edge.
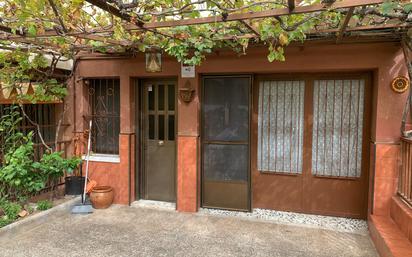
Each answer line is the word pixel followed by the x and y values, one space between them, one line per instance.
pixel 113 116
pixel 309 79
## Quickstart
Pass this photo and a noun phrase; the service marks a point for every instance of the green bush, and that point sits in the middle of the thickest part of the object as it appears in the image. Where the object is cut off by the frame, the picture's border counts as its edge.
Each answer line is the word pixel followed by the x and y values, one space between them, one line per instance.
pixel 11 136
pixel 11 210
pixel 20 175
pixel 44 205
pixel 4 221
pixel 53 165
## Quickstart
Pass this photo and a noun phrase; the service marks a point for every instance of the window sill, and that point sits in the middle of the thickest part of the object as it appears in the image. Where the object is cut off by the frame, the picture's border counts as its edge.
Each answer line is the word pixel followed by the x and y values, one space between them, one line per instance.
pixel 112 158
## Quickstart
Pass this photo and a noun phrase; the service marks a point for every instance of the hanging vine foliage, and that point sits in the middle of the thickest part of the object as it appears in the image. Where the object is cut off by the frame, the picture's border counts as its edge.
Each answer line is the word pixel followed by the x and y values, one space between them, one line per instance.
pixel 66 27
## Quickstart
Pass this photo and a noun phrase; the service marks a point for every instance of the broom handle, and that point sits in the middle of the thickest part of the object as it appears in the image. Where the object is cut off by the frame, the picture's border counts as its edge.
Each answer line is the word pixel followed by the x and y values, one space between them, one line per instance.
pixel 87 161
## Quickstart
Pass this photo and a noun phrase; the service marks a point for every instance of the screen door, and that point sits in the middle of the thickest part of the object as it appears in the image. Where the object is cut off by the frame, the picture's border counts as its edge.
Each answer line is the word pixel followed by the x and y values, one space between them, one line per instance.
pixel 225 142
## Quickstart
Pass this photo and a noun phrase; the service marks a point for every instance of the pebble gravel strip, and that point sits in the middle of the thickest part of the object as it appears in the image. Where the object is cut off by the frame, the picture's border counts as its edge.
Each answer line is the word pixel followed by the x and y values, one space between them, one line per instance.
pixel 290 218
pixel 287 218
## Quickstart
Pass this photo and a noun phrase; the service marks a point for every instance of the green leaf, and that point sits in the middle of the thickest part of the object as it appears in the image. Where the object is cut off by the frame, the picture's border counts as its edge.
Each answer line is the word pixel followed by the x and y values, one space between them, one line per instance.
pixel 32 30
pixel 271 56
pixel 407 8
pixel 388 6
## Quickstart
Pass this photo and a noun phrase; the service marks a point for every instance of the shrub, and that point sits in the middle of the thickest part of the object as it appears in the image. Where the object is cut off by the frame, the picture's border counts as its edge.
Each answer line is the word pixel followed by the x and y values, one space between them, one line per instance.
pixel 44 205
pixel 11 136
pixel 52 165
pixel 4 221
pixel 11 210
pixel 18 176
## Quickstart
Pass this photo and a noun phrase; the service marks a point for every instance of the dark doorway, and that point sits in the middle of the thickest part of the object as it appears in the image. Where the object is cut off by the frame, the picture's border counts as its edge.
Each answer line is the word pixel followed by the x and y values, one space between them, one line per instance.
pixel 225 142
pixel 159 140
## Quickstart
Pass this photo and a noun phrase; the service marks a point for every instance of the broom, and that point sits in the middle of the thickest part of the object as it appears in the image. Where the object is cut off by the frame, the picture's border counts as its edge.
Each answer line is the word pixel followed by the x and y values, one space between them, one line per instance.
pixel 84 208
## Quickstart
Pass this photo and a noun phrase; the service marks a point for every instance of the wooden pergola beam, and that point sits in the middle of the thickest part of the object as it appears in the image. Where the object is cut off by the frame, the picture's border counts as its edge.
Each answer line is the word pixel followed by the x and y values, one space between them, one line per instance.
pixel 354 29
pixel 250 26
pixel 344 24
pixel 256 15
pixel 10 31
pixel 104 39
pixel 246 22
pixel 366 27
pixel 124 16
pixel 213 19
pixel 97 37
pixel 22 38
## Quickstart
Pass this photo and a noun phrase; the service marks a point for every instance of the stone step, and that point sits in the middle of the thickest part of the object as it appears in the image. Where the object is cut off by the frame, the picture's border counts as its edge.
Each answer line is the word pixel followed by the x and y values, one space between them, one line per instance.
pixel 388 238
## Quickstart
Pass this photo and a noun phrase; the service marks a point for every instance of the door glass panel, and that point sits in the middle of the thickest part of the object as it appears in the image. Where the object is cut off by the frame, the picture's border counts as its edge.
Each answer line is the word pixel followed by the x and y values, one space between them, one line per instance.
pixel 226 109
pixel 338 107
pixel 151 93
pixel 225 159
pixel 171 132
pixel 226 162
pixel 161 127
pixel 161 97
pixel 280 126
pixel 171 97
pixel 151 127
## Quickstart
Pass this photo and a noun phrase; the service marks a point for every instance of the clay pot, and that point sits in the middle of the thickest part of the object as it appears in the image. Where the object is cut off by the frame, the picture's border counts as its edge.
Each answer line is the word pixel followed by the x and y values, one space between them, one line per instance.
pixel 101 197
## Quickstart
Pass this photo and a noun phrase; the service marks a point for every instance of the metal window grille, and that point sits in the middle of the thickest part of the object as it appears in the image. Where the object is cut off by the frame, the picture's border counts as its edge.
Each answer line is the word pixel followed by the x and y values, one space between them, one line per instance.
pixel 338 107
pixel 280 125
pixel 104 109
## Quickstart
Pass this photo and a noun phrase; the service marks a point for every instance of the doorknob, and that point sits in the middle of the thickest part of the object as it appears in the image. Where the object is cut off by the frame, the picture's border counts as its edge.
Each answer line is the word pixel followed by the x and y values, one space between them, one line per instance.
pixel 161 143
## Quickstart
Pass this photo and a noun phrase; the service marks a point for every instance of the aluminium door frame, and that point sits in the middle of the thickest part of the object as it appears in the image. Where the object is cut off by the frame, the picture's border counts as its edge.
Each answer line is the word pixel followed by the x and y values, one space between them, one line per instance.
pixel 201 123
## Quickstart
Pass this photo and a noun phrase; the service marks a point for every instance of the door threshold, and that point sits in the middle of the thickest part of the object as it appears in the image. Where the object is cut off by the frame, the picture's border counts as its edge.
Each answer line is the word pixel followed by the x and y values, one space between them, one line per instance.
pixel 151 204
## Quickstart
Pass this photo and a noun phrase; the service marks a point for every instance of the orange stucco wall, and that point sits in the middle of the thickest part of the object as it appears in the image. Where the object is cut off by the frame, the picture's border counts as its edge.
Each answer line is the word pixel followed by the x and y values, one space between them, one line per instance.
pixel 384 60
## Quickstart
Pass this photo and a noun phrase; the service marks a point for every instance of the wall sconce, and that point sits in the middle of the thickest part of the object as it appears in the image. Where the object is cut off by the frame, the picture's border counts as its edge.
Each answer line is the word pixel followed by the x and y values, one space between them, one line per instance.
pixel 153 62
pixel 186 93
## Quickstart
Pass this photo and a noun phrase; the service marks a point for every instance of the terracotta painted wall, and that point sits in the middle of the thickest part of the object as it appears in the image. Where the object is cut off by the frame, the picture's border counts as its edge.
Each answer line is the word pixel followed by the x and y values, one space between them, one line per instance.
pixel 383 59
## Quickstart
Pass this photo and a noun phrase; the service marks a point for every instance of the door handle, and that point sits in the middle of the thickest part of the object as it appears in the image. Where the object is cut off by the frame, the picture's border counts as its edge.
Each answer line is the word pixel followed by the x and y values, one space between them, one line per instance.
pixel 161 143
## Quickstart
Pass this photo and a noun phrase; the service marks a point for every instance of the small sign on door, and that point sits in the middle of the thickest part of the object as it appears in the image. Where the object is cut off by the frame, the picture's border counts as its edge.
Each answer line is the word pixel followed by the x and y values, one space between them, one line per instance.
pixel 188 71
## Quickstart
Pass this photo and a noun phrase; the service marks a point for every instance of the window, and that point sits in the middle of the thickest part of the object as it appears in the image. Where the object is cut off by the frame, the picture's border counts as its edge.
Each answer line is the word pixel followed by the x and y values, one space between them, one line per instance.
pixel 280 126
pixel 337 127
pixel 337 131
pixel 104 109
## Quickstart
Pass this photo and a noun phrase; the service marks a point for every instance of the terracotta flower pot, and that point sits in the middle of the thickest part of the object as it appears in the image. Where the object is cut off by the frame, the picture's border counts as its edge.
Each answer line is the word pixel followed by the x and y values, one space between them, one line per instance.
pixel 101 197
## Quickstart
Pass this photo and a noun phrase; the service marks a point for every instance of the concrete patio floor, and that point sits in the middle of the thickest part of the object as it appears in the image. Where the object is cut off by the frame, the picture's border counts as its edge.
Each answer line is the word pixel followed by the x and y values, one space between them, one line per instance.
pixel 133 231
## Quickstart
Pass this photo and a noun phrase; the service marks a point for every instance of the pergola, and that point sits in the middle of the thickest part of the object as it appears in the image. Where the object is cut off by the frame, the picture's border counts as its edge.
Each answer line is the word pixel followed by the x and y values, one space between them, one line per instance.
pixel 185 28
pixel 360 20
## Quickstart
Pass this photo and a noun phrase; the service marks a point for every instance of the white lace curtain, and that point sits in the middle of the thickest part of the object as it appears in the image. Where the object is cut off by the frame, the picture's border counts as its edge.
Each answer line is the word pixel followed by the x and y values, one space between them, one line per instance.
pixel 337 127
pixel 280 125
